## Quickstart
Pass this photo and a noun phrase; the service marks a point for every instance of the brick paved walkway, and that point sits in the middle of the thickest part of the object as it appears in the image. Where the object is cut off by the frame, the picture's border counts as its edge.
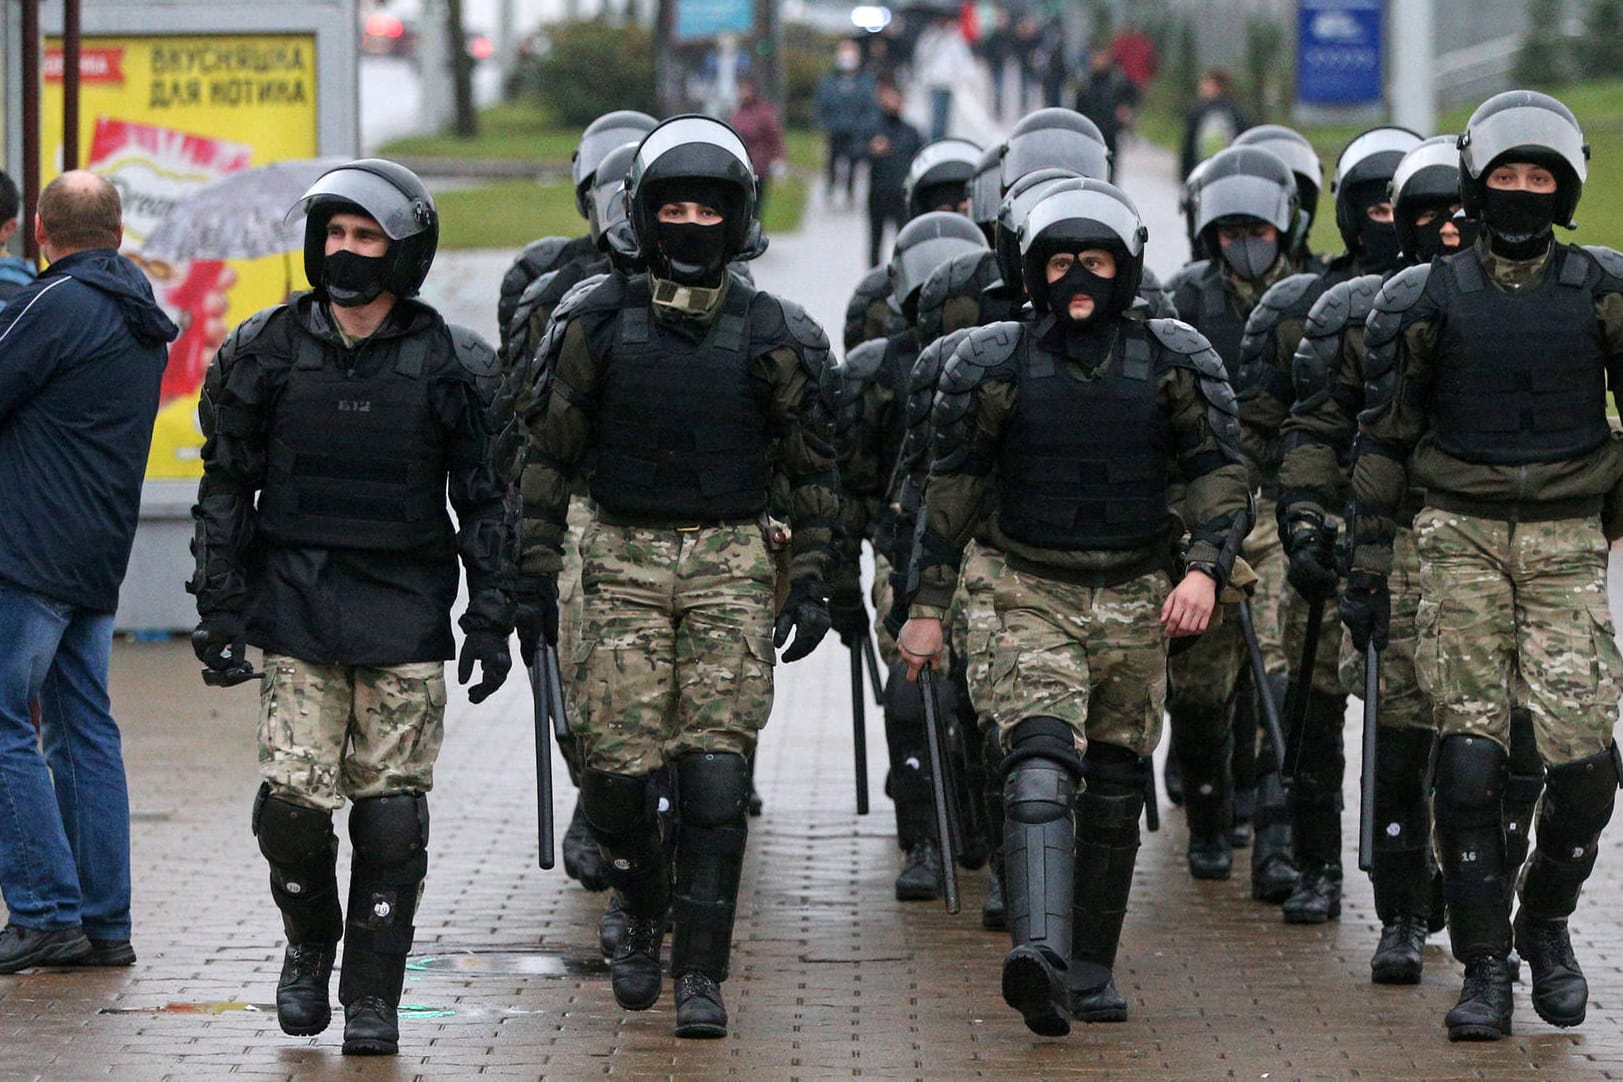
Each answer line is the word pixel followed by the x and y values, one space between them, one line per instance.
pixel 832 978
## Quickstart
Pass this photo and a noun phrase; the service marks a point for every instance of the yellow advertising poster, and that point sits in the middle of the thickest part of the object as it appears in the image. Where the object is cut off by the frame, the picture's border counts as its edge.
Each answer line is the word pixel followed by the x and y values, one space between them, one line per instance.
pixel 162 116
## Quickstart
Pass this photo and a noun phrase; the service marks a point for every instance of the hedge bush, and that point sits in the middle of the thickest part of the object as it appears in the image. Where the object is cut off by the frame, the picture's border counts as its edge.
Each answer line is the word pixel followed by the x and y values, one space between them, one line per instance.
pixel 589 68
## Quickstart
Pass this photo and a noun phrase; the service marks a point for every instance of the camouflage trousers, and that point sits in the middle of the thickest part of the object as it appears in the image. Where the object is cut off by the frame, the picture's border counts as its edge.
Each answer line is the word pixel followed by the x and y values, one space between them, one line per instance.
pixel 1326 674
pixel 1266 555
pixel 569 593
pixel 1403 705
pixel 975 621
pixel 674 653
pixel 327 732
pixel 1206 673
pixel 1518 611
pixel 881 596
pixel 1094 657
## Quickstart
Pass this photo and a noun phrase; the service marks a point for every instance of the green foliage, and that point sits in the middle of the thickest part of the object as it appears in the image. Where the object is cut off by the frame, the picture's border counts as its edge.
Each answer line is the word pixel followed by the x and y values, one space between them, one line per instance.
pixel 1600 50
pixel 1266 72
pixel 1184 74
pixel 808 55
pixel 591 68
pixel 521 130
pixel 1545 58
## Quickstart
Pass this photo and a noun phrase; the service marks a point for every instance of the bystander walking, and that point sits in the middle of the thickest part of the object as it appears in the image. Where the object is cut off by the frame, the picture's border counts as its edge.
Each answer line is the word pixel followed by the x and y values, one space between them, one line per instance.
pixel 845 110
pixel 892 142
pixel 14 273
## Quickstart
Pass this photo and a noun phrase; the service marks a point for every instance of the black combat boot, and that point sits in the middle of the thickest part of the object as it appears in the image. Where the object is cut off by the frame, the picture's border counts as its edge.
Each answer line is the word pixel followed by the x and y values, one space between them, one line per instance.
pixel 1578 800
pixel 1315 800
pixel 908 786
pixel 582 861
pixel 390 839
pixel 299 844
pixel 1523 785
pixel 994 914
pixel 1201 742
pixel 1107 841
pixel 1401 875
pixel 622 810
pixel 611 926
pixel 1273 862
pixel 1039 841
pixel 1468 808
pixel 714 792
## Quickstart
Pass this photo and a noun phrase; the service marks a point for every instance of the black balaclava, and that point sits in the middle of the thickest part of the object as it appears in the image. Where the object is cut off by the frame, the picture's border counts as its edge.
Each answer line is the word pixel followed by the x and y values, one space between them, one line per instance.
pixel 1429 237
pixel 948 195
pixel 353 280
pixel 1081 340
pixel 1378 245
pixel 1519 222
pixel 696 254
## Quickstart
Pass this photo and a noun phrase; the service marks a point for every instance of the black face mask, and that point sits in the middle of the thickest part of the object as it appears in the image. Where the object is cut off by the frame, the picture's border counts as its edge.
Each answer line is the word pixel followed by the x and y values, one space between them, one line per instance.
pixel 1519 223
pixel 1378 246
pixel 1080 282
pixel 1428 240
pixel 696 253
pixel 1250 257
pixel 353 280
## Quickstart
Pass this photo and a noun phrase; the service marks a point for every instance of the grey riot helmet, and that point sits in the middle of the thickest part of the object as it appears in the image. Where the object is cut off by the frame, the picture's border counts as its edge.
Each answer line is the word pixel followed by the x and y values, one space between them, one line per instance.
pixel 1054 138
pixel 391 195
pixel 693 158
pixel 1079 215
pixel 601 136
pixel 1363 172
pixel 606 196
pixel 1023 195
pixel 924 244
pixel 1189 205
pixel 986 190
pixel 1292 148
pixel 1524 126
pixel 1428 178
pixel 1243 186
pixel 939 173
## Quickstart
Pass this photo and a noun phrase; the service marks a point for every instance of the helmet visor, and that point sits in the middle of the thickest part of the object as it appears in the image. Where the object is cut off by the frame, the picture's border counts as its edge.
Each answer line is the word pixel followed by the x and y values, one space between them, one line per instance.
pixel 595 145
pixel 1523 126
pixel 1057 148
pixel 919 261
pixel 398 215
pixel 1247 196
pixel 1083 214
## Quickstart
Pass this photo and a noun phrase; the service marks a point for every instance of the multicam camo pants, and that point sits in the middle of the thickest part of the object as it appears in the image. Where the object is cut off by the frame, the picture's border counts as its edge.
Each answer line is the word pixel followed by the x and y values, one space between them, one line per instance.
pixel 1502 601
pixel 1094 657
pixel 975 621
pixel 327 732
pixel 675 647
pixel 1206 673
pixel 880 595
pixel 1266 555
pixel 1403 704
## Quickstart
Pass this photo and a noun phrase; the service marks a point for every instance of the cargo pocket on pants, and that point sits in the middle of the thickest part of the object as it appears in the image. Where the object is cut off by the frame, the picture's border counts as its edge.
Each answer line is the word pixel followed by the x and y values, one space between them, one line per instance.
pixel 1429 663
pixel 1606 663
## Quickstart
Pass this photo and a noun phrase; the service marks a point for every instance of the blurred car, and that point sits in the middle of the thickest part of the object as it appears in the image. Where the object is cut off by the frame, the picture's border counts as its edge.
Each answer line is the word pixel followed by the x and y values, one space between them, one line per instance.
pixel 391 30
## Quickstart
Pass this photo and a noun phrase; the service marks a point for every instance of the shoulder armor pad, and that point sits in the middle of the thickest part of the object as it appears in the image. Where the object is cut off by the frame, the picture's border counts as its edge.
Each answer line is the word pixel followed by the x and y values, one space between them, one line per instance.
pixel 863 364
pixel 1610 260
pixel 587 290
pixel 1188 348
pixel 982 350
pixel 543 255
pixel 1189 272
pixel 250 328
pixel 473 351
pixel 874 286
pixel 537 288
pixel 964 275
pixel 1313 367
pixel 1148 280
pixel 1178 336
pixel 1343 305
pixel 1288 296
pixel 926 373
pixel 806 332
pixel 1401 293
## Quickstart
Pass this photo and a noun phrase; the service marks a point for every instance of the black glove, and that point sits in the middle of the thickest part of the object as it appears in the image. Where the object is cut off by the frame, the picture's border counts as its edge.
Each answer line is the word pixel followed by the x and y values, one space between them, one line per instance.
pixel 1366 609
pixel 848 614
pixel 1311 551
pixel 535 615
pixel 489 649
pixel 220 643
pixel 805 613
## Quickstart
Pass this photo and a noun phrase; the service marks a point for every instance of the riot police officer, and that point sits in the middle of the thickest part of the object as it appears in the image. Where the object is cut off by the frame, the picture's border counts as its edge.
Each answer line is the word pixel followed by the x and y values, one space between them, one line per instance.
pixel 684 396
pixel 938 177
pixel 1083 415
pixel 1294 149
pixel 333 425
pixel 1487 375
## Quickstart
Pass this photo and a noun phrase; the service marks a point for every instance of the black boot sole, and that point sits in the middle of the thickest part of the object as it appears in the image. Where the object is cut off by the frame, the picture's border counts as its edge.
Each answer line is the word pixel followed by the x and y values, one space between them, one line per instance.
pixel 371 1046
pixel 1558 1020
pixel 703 1031
pixel 304 1029
pixel 1297 916
pixel 1395 973
pixel 1113 1013
pixel 1479 1031
pixel 1028 988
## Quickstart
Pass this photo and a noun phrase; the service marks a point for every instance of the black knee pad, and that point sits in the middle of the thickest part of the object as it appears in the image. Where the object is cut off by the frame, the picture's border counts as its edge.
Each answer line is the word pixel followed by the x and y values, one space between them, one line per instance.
pixel 1112 770
pixel 713 788
pixel 291 833
pixel 1042 738
pixel 1038 790
pixel 1578 801
pixel 389 831
pixel 617 803
pixel 1470 783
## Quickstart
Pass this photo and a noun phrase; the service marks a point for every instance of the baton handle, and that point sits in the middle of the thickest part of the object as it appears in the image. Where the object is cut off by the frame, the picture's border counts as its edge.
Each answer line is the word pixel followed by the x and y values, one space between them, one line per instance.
pixel 936 742
pixel 859 729
pixel 540 681
pixel 1366 781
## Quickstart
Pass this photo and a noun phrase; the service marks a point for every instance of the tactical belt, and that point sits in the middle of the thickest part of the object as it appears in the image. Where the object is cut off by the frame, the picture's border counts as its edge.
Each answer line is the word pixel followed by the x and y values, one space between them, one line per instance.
pixel 1515 510
pixel 665 522
pixel 1093 580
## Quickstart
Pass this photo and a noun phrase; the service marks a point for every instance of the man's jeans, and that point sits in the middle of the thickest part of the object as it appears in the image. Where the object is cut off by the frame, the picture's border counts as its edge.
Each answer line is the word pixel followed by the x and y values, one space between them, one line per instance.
pixel 64 854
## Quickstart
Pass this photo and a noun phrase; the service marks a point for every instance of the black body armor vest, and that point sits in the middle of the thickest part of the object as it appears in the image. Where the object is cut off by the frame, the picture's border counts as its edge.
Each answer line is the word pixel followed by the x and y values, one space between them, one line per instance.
pixel 357 462
pixel 681 427
pixel 1214 317
pixel 1084 463
pixel 1521 376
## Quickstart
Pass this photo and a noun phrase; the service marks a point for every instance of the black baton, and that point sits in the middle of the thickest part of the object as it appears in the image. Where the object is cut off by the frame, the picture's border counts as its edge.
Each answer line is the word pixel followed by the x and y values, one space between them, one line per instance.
pixel 859 728
pixel 872 660
pixel 936 746
pixel 1366 781
pixel 555 695
pixel 1259 678
pixel 540 678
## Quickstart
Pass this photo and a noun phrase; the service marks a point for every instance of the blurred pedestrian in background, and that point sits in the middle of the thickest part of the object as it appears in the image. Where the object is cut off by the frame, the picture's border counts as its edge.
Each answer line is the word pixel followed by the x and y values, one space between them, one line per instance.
pixel 1109 99
pixel 756 121
pixel 941 62
pixel 845 109
pixel 892 142
pixel 14 273
pixel 1213 121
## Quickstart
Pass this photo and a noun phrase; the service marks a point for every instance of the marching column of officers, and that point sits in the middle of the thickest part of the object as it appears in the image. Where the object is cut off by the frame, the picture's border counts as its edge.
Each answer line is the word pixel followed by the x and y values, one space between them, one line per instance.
pixel 1088 513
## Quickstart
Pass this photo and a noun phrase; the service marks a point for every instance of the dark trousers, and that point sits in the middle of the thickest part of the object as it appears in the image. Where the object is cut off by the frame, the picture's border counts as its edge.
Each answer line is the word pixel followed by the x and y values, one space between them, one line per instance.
pixel 883 207
pixel 842 147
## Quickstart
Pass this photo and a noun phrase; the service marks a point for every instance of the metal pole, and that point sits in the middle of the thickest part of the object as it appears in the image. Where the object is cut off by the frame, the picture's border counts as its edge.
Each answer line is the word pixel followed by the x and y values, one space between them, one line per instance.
pixel 29 180
pixel 70 85
pixel 1411 86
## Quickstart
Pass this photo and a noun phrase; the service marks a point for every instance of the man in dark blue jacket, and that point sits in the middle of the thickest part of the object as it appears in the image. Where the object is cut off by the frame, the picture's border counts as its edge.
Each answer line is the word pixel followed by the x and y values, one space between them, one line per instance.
pixel 82 352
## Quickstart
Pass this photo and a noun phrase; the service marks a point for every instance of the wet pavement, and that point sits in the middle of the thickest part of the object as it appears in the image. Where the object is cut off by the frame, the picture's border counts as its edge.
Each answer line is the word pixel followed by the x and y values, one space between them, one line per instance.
pixel 832 978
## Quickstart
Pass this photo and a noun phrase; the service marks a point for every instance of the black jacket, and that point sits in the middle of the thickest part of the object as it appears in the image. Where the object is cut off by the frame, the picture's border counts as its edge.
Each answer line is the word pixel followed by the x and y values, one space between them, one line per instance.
pixel 338 605
pixel 82 353
pixel 888 171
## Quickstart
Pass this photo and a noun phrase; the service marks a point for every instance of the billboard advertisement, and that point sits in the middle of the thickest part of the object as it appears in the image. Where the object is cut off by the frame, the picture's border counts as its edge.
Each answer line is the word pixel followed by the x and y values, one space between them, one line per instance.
pixel 162 116
pixel 1338 55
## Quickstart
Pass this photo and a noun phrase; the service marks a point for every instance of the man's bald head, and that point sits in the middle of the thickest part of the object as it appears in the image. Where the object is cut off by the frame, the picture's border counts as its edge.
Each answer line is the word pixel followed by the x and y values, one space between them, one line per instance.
pixel 78 210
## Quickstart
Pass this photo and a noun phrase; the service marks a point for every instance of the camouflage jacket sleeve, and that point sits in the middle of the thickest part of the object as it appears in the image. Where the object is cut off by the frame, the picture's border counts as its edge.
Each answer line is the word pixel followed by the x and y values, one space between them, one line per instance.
pixel 560 423
pixel 803 455
pixel 238 389
pixel 1401 341
pixel 462 398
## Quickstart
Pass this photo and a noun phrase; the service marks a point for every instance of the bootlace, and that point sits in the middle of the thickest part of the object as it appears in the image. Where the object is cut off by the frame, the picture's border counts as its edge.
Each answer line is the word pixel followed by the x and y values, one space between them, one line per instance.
pixel 694 983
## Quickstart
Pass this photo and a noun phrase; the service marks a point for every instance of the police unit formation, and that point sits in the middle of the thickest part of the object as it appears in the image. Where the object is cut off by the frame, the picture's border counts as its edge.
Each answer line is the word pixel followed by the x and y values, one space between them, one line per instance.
pixel 1097 503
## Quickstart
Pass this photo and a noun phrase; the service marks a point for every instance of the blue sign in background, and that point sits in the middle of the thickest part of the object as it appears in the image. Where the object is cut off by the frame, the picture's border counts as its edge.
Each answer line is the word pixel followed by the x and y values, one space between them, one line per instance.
pixel 1338 52
pixel 697 20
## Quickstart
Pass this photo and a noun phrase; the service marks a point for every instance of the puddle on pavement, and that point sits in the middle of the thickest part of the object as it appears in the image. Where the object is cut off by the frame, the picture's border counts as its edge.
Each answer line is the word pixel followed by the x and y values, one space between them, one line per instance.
pixel 407 1010
pixel 536 963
